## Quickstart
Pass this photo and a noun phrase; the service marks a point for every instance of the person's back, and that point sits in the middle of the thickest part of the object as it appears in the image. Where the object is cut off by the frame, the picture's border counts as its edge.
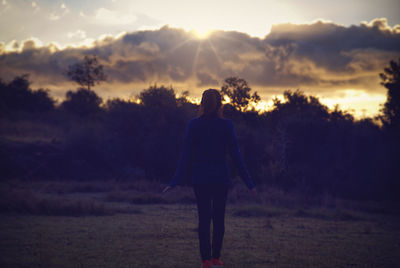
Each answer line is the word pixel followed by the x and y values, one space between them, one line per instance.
pixel 209 146
pixel 210 139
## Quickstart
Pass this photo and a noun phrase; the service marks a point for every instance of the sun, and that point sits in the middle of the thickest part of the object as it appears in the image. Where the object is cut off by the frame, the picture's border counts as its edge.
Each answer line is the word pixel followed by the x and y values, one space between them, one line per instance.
pixel 200 33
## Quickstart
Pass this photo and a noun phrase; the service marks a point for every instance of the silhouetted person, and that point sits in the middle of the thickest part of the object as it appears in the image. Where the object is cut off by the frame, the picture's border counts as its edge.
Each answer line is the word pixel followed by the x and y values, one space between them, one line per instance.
pixel 207 140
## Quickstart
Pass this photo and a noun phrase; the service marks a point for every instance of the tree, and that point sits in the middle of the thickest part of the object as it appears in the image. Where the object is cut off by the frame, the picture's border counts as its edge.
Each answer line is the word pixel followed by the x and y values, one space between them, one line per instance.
pixel 238 91
pixel 82 102
pixel 87 73
pixel 18 96
pixel 391 109
pixel 391 120
pixel 158 97
pixel 298 104
pixel 183 99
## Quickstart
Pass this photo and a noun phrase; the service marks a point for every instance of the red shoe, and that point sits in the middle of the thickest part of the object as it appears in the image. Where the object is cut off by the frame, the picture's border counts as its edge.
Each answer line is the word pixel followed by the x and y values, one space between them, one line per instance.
pixel 207 264
pixel 217 262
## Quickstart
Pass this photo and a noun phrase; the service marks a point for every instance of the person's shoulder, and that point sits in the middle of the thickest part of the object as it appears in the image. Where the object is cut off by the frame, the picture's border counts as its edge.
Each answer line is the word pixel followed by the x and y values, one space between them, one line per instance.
pixel 226 121
pixel 194 121
pixel 221 120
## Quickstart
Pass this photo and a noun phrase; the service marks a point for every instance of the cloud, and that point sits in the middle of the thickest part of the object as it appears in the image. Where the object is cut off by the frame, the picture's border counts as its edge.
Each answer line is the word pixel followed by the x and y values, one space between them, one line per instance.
pixel 110 17
pixel 321 56
pixel 53 20
pixel 77 34
pixel 324 42
pixel 206 79
pixel 330 54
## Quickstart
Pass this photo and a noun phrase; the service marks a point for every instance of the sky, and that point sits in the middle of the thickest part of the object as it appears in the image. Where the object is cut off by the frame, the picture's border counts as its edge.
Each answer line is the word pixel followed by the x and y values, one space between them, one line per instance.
pixel 331 49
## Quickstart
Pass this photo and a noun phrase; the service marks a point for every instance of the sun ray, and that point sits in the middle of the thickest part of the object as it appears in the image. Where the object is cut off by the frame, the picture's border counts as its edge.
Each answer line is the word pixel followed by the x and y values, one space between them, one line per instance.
pixel 178 46
pixel 196 57
pixel 215 52
pixel 219 59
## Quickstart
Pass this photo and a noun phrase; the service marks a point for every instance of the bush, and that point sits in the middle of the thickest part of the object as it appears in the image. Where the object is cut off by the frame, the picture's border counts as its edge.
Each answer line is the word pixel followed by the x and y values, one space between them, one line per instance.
pixel 17 96
pixel 83 102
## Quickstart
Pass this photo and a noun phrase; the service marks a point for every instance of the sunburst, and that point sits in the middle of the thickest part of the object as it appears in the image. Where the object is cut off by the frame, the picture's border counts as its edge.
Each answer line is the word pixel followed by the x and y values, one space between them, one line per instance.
pixel 202 33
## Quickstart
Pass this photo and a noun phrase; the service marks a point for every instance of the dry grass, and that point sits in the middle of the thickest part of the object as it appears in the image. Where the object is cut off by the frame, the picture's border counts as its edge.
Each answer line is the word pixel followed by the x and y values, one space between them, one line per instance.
pixel 165 236
pixel 27 202
pixel 150 192
pixel 102 224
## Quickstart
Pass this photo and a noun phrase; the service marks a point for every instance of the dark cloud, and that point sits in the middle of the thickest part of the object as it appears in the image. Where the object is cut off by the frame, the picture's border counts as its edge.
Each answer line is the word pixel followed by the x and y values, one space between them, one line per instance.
pixel 330 46
pixel 206 80
pixel 321 54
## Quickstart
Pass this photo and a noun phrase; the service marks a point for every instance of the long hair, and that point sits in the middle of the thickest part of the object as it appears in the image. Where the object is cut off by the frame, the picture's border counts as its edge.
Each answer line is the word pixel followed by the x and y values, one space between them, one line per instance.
pixel 211 103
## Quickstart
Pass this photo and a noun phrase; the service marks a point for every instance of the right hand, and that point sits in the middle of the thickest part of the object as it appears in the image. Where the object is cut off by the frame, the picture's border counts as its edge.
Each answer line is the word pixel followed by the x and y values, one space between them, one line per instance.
pixel 166 189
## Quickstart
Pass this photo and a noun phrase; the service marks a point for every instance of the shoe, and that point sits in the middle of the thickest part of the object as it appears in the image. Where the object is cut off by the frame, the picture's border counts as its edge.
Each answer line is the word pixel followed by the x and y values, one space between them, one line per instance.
pixel 217 262
pixel 207 264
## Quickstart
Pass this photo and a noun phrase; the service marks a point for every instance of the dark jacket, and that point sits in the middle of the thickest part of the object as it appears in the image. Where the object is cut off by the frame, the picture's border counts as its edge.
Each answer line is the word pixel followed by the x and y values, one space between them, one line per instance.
pixel 207 141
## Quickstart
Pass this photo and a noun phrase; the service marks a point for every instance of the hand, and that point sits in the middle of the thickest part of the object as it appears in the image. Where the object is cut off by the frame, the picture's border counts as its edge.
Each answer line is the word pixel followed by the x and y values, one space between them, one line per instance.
pixel 166 189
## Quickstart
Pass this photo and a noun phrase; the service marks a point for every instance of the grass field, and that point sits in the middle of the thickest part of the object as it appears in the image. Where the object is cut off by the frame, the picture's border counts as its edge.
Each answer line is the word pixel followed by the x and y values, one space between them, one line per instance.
pixel 125 232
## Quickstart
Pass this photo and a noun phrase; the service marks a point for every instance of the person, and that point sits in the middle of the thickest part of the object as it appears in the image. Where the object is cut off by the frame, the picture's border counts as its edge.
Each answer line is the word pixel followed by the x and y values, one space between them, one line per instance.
pixel 207 140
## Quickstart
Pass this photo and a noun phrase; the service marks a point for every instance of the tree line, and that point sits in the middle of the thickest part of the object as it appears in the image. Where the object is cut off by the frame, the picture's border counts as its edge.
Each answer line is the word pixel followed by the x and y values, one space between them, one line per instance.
pixel 299 145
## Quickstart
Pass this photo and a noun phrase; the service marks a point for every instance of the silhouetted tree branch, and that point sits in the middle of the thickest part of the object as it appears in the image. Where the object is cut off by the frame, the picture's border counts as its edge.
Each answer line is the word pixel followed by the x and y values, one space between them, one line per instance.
pixel 391 110
pixel 238 91
pixel 87 73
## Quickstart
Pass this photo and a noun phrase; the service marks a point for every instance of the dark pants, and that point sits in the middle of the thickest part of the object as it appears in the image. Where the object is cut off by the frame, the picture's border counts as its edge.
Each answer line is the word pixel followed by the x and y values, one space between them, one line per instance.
pixel 211 201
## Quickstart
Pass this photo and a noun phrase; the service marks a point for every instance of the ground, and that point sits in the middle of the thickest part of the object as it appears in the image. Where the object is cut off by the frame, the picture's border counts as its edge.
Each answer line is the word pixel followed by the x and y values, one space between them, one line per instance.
pixel 165 235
